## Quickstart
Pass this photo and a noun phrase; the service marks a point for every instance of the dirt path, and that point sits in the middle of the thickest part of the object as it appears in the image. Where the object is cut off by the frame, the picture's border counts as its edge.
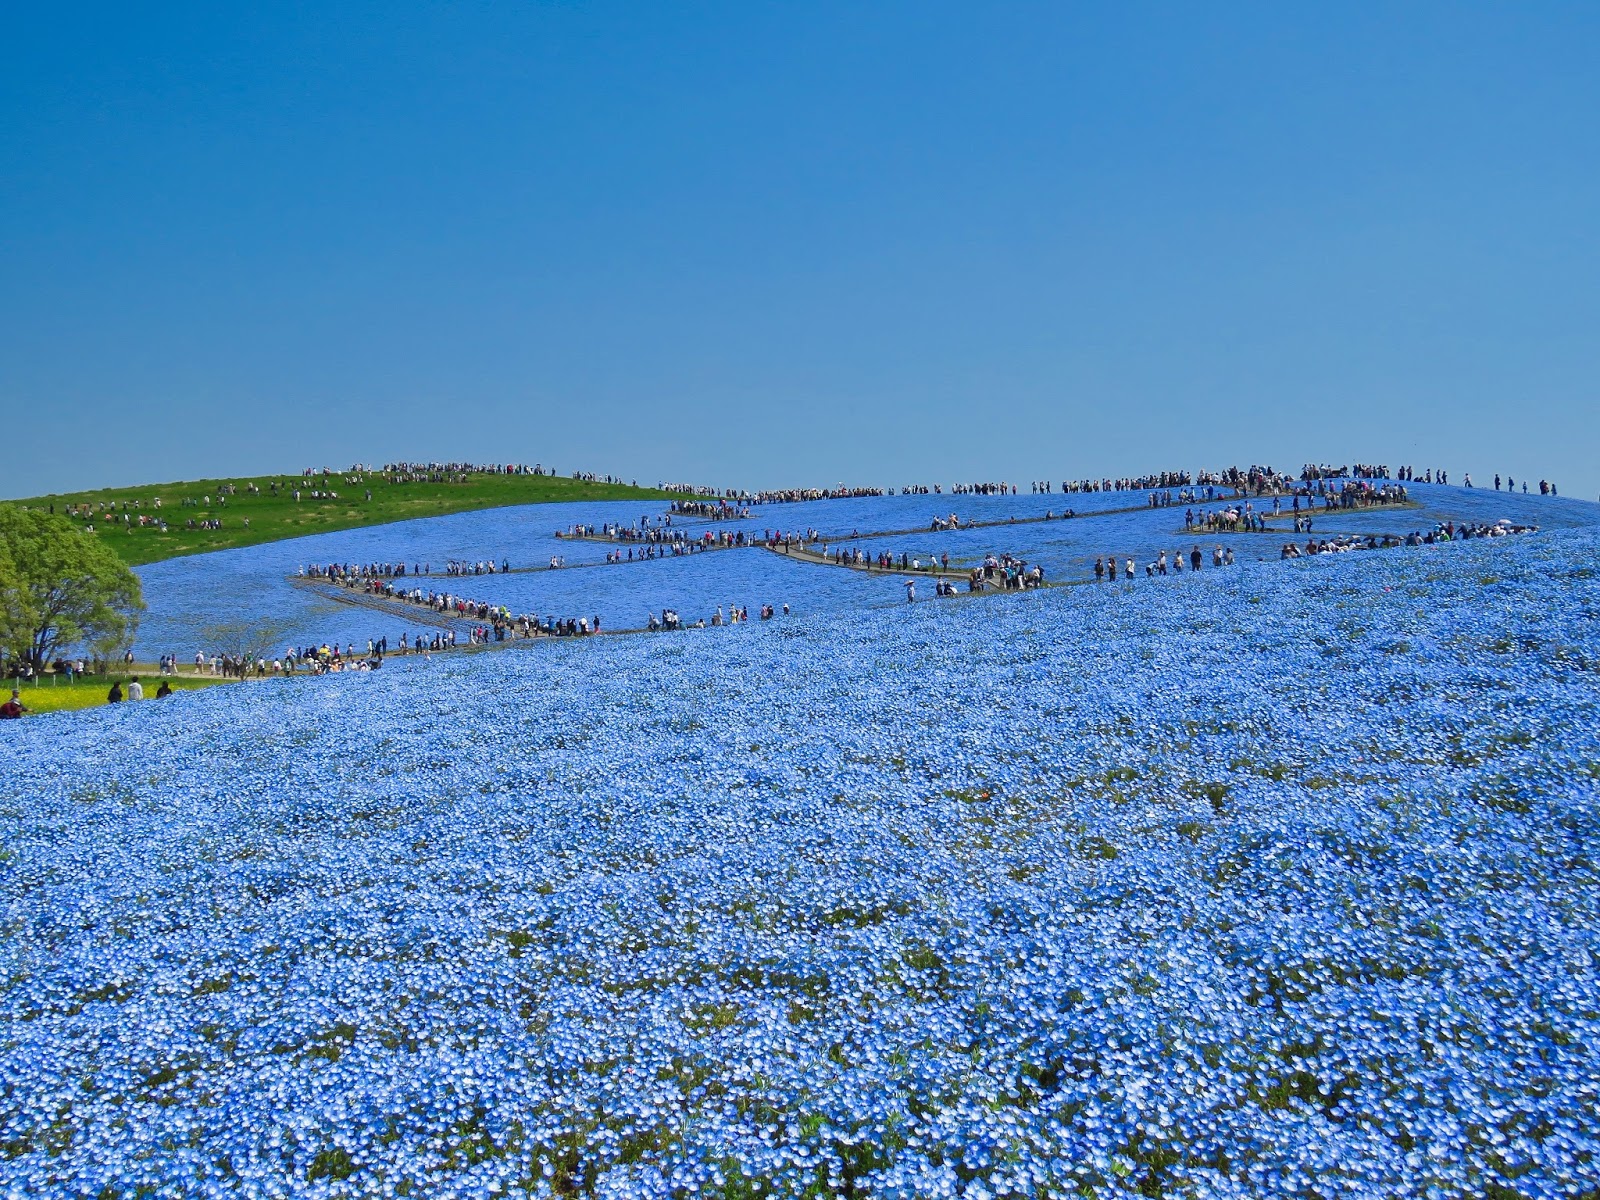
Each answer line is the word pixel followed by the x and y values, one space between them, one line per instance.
pixel 807 555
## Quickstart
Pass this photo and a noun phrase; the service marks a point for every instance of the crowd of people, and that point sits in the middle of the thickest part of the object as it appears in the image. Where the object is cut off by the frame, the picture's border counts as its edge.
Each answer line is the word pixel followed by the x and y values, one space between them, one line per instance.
pixel 1363 494
pixel 318 484
pixel 883 560
pixel 798 495
pixel 670 620
pixel 1445 531
pixel 1430 475
pixel 645 529
pixel 452 472
pixel 1106 568
pixel 711 510
pixel 459 567
pixel 226 666
pixel 1546 488
pixel 451 568
pixel 971 489
pixel 995 572
pixel 647 540
pixel 998 572
pixel 491 622
pixel 1238 481
pixel 744 499
pixel 1243 495
pixel 1233 519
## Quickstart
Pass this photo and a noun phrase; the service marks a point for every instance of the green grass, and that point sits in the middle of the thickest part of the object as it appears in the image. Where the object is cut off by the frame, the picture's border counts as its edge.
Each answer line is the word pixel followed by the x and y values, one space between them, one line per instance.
pixel 51 694
pixel 273 518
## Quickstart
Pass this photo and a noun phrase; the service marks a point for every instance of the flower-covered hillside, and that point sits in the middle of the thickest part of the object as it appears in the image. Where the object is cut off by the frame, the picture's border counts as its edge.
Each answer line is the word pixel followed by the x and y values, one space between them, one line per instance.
pixel 1268 882
pixel 244 596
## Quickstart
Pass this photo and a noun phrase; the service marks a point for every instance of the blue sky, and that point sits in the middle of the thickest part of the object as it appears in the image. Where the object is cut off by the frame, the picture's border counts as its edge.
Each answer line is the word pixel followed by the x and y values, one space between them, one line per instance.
pixel 771 244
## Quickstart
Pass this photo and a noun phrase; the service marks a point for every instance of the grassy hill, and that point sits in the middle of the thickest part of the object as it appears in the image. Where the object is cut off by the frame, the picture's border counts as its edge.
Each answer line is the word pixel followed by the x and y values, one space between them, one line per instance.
pixel 252 511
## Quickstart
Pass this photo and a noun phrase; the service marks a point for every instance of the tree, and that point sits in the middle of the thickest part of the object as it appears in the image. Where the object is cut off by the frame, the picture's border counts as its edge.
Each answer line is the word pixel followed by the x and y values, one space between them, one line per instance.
pixel 61 587
pixel 16 609
pixel 242 640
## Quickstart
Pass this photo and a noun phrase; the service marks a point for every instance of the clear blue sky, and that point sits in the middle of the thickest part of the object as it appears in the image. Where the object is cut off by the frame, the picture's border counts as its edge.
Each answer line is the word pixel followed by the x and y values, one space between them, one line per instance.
pixel 759 244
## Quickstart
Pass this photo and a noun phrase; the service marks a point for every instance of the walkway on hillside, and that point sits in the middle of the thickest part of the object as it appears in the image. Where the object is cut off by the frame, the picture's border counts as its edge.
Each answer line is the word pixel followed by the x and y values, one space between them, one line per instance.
pixel 806 554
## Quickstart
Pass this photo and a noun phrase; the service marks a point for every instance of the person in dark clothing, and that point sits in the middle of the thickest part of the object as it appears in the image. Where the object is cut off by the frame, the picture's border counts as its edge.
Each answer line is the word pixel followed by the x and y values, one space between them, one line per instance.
pixel 114 696
pixel 164 690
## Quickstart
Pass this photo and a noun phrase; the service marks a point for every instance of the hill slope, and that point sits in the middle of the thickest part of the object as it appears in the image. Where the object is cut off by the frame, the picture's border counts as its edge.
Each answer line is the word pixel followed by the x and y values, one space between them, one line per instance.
pixel 1207 889
pixel 116 513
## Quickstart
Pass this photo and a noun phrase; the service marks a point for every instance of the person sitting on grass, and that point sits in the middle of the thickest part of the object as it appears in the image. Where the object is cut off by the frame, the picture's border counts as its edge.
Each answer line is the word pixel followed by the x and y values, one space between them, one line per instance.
pixel 135 689
pixel 114 696
pixel 12 708
pixel 164 690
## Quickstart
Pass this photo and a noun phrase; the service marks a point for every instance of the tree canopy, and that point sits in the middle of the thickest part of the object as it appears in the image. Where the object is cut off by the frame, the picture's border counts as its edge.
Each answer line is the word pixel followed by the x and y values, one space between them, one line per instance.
pixel 61 587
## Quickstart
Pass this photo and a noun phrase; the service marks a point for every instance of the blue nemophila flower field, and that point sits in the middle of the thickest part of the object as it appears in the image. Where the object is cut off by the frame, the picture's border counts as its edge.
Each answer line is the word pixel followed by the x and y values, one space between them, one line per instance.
pixel 204 602
pixel 1278 881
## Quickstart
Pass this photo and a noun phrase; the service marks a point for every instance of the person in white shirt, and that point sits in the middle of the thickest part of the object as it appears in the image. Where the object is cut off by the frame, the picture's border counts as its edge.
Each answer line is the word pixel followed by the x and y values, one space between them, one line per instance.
pixel 135 689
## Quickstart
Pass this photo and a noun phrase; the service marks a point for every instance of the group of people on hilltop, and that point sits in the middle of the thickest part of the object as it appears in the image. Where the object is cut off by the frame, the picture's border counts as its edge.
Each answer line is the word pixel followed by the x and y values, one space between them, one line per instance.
pixel 462 472
pixel 1363 494
pixel 1160 479
pixel 1546 488
pixel 1257 480
pixel 797 495
pixel 1244 518
pixel 1430 475
pixel 445 468
pixel 1313 471
pixel 976 489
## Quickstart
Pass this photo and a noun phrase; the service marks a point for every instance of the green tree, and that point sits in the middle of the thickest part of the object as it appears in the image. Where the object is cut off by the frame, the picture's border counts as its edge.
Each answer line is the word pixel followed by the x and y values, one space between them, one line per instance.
pixel 16 608
pixel 61 587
